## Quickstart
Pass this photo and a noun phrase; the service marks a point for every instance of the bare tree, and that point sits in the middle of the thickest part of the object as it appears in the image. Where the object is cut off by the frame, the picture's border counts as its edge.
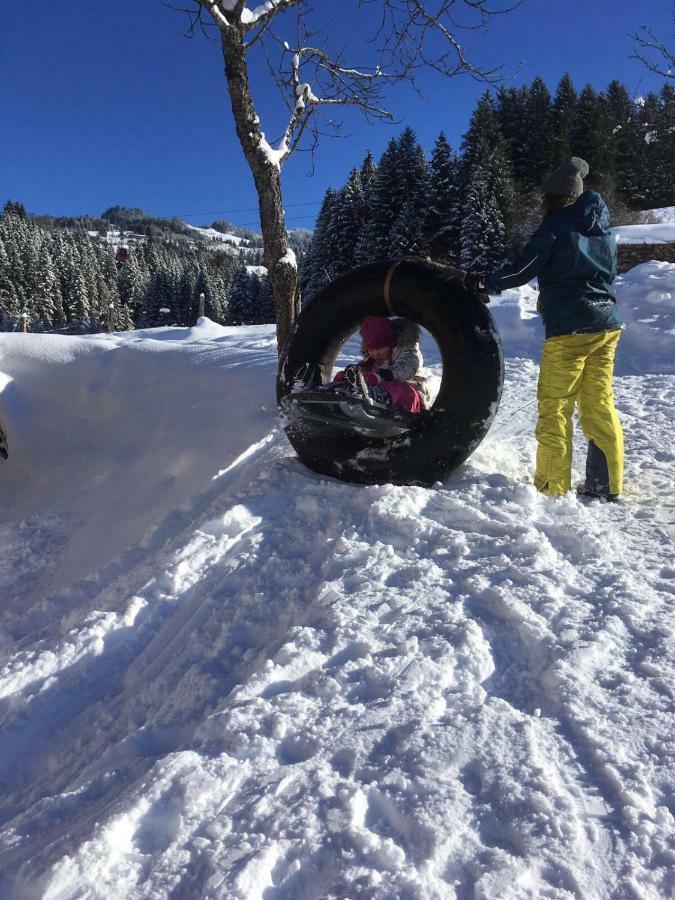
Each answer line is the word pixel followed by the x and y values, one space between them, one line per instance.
pixel 653 53
pixel 314 78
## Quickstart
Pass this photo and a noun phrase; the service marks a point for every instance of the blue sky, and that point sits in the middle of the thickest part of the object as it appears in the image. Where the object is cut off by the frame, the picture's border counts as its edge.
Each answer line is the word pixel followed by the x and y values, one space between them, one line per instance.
pixel 108 103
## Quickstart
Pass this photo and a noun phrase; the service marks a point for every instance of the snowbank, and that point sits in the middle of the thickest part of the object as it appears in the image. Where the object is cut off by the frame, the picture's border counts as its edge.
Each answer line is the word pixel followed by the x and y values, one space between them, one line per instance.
pixel 646 298
pixel 660 214
pixel 101 432
pixel 222 675
pixel 645 234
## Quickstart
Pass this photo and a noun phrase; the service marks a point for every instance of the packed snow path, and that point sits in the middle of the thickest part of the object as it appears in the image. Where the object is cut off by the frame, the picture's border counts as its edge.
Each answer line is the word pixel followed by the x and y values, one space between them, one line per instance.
pixel 292 687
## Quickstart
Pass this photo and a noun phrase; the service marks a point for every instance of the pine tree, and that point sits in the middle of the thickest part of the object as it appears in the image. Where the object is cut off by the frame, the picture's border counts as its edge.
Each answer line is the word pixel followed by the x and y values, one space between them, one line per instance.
pixel 512 111
pixel 47 300
pixel 239 300
pixel 406 237
pixel 10 304
pixel 383 206
pixel 661 148
pixel 159 305
pixel 131 285
pixel 482 231
pixel 626 153
pixel 347 224
pixel 368 170
pixel 484 133
pixel 78 302
pixel 564 111
pixel 261 300
pixel 485 148
pixel 317 269
pixel 591 135
pixel 538 126
pixel 442 218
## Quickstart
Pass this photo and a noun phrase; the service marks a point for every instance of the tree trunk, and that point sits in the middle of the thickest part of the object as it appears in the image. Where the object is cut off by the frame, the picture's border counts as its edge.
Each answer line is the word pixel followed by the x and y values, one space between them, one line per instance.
pixel 280 264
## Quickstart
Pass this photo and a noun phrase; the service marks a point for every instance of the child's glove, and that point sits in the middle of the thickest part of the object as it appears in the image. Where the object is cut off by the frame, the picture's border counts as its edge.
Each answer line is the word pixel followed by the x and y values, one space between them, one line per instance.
pixel 351 376
pixel 385 374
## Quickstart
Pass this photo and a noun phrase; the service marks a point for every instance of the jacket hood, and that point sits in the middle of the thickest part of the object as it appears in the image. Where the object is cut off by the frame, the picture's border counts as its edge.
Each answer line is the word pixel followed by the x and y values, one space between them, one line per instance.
pixel 407 332
pixel 590 213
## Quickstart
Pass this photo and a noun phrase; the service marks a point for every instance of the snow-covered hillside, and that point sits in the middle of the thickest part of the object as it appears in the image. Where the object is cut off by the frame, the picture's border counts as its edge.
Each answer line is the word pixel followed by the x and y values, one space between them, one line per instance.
pixel 224 676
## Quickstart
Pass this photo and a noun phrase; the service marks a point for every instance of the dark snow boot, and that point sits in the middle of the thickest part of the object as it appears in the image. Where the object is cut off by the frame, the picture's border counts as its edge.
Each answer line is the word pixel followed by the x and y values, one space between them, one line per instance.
pixel 4 452
pixel 596 485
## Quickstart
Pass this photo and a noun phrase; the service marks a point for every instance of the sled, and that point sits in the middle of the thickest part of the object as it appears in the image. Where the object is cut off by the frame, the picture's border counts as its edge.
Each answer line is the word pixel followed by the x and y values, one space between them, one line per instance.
pixel 347 412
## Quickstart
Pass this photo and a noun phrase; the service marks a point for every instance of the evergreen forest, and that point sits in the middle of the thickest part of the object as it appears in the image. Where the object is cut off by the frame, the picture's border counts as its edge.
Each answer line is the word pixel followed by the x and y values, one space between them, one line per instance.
pixel 470 207
pixel 69 275
pixel 476 206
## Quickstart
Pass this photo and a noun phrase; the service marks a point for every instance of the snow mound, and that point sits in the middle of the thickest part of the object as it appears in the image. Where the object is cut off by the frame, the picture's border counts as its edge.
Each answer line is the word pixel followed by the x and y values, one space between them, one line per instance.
pixel 660 214
pixel 646 300
pixel 102 429
pixel 663 233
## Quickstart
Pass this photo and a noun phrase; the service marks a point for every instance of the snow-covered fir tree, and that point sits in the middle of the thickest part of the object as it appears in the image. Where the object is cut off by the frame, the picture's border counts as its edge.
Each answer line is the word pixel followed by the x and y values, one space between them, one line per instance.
pixel 159 303
pixel 261 300
pixel 482 229
pixel 381 208
pixel 347 223
pixel 317 270
pixel 442 218
pixel 239 310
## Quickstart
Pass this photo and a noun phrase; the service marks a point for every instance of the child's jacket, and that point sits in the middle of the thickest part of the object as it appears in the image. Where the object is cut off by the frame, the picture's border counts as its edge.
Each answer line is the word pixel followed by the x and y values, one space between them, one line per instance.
pixel 406 363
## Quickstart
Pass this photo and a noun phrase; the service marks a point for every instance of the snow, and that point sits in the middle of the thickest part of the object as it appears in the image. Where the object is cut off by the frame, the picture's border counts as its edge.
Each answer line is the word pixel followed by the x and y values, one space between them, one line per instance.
pixel 274 157
pixel 289 259
pixel 257 270
pixel 663 233
pixel 223 675
pixel 251 16
pixel 213 235
pixel 661 214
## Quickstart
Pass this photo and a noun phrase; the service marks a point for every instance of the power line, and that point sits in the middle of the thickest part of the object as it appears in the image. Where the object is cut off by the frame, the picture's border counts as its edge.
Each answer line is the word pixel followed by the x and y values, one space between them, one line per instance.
pixel 222 212
pixel 252 224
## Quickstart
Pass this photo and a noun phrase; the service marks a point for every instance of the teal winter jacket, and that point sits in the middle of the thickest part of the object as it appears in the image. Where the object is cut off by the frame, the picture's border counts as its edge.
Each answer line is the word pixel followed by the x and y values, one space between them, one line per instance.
pixel 573 255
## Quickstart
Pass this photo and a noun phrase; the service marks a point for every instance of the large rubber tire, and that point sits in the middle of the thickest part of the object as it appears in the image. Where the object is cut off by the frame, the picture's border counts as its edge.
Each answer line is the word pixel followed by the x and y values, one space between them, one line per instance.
pixel 433 296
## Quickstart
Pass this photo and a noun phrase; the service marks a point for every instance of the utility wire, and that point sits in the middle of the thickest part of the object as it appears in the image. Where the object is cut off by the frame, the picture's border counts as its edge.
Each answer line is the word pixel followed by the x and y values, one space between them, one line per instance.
pixel 252 224
pixel 222 212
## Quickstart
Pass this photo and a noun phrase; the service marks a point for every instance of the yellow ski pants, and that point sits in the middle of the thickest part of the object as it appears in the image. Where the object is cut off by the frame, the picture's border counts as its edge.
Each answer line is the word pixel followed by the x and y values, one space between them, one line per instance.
pixel 577 367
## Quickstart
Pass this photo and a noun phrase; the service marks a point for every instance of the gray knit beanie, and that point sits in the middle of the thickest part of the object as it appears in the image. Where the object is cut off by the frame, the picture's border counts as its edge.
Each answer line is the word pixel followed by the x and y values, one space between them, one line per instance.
pixel 566 179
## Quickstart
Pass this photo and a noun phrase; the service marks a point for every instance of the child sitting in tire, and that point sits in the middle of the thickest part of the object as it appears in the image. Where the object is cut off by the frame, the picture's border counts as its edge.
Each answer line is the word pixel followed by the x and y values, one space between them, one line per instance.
pixel 392 367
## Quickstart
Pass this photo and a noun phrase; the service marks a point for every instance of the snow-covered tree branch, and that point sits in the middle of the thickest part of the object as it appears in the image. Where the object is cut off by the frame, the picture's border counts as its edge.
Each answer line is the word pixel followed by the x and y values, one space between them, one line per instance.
pixel 410 36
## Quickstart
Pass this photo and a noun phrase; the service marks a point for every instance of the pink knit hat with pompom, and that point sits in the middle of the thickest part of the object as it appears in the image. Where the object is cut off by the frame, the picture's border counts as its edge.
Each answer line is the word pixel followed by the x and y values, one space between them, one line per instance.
pixel 377 331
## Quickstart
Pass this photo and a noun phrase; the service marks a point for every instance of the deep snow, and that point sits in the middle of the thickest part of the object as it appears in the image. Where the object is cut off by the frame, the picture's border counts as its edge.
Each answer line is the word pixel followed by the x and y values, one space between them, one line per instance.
pixel 224 676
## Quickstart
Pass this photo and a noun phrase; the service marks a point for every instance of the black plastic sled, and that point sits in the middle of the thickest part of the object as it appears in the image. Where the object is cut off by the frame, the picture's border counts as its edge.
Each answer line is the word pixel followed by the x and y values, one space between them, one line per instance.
pixel 347 412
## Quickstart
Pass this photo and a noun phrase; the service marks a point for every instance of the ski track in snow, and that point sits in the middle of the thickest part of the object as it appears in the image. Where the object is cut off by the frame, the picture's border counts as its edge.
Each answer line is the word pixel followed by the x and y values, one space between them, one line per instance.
pixel 298 688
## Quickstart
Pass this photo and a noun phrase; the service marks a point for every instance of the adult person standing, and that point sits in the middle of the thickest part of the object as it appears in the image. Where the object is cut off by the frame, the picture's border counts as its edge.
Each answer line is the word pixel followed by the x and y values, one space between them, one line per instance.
pixel 573 255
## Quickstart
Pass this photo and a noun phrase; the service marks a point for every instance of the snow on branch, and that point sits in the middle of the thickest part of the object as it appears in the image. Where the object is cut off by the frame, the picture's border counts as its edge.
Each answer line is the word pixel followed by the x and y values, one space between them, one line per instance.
pixel 410 36
pixel 266 11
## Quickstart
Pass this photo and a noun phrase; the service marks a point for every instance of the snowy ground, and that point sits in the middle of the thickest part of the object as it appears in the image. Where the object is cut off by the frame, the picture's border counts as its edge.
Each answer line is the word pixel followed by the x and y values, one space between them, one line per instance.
pixel 224 676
